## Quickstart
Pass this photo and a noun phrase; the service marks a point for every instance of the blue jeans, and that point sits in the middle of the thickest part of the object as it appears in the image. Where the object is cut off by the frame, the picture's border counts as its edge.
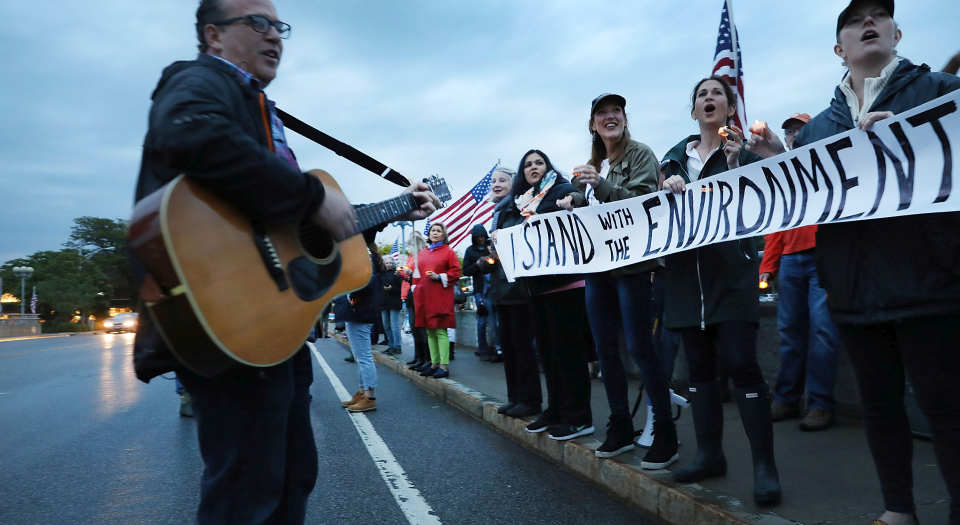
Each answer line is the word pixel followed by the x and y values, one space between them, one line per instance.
pixel 358 334
pixel 808 337
pixel 391 326
pixel 623 303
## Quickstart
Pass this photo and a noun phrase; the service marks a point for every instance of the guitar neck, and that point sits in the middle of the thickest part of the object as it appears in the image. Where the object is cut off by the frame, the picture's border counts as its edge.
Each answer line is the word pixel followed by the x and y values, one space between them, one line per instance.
pixel 386 211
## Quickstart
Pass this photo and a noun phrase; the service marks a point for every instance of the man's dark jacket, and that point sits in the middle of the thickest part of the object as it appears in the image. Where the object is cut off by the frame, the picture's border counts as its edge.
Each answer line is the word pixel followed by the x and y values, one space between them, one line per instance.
pixel 472 264
pixel 715 283
pixel 885 269
pixel 390 298
pixel 207 123
pixel 363 305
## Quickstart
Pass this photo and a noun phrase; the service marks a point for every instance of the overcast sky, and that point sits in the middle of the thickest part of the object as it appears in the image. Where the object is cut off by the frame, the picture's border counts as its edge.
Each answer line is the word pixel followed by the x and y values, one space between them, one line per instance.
pixel 424 86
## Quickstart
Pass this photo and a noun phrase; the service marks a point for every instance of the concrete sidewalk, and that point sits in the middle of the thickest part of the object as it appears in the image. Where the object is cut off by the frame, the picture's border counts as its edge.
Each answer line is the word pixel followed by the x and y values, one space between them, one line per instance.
pixel 827 477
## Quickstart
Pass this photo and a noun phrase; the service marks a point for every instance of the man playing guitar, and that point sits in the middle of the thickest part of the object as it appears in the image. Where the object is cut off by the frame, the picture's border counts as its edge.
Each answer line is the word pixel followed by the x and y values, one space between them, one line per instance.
pixel 211 121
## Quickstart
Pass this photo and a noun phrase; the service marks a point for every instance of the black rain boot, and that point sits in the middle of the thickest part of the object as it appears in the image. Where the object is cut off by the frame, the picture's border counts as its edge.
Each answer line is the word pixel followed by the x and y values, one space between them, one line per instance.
pixel 754 405
pixel 708 421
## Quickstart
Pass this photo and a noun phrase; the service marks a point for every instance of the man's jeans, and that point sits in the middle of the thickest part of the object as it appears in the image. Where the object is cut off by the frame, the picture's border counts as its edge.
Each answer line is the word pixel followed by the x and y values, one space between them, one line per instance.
pixel 808 337
pixel 391 327
pixel 358 334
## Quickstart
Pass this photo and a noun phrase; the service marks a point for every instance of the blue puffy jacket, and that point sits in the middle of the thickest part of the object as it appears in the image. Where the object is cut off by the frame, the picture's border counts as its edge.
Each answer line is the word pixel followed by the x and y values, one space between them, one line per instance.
pixel 885 269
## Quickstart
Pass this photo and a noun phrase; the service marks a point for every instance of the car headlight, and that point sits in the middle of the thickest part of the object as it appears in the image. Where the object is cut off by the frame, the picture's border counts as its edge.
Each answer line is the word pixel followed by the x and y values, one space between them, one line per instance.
pixel 129 324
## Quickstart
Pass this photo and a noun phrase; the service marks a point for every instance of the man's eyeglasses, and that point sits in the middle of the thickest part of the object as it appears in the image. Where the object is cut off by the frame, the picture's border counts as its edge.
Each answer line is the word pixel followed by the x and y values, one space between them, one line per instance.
pixel 258 23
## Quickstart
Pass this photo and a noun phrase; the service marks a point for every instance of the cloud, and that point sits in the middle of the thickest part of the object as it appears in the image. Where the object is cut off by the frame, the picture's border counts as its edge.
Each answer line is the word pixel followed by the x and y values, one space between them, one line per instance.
pixel 426 87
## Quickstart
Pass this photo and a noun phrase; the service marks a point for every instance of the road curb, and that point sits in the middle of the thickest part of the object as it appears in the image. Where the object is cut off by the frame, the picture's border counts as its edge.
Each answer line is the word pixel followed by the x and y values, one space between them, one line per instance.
pixel 653 491
pixel 45 336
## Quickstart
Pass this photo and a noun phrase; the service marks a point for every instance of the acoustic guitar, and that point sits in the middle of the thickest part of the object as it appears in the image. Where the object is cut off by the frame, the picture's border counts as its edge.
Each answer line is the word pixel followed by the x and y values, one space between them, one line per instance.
pixel 222 290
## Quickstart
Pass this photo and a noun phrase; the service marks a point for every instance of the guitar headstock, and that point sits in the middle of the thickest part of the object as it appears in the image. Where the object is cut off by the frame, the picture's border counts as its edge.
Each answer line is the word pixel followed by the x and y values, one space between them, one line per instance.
pixel 439 187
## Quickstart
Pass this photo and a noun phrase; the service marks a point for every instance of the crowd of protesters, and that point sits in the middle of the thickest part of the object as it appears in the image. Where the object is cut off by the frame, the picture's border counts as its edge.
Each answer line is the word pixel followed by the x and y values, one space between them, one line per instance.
pixel 857 286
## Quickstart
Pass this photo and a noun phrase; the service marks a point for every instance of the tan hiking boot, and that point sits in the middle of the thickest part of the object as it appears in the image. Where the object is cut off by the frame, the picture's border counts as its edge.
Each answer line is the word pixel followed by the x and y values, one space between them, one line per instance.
pixel 357 396
pixel 816 419
pixel 186 405
pixel 365 404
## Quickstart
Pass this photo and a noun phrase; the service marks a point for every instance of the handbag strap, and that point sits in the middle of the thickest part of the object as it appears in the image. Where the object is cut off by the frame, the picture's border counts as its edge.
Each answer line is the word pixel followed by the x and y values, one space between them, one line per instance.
pixel 344 150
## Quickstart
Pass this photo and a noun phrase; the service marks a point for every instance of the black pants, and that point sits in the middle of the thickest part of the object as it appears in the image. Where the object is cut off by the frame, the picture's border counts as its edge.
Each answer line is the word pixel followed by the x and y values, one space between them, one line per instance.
pixel 564 341
pixel 928 349
pixel 730 346
pixel 519 362
pixel 420 349
pixel 256 440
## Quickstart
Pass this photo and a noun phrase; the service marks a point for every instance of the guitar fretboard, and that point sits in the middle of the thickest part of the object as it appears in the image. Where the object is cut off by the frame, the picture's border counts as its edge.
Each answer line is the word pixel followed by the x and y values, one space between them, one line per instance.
pixel 386 211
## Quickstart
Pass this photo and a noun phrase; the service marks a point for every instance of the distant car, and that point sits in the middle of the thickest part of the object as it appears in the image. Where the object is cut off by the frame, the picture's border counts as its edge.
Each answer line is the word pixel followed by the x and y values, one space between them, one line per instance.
pixel 125 322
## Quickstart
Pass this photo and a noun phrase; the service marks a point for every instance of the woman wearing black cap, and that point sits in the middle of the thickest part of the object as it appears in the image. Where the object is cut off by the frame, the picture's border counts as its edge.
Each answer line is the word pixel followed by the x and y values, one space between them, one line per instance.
pixel 621 168
pixel 713 301
pixel 892 291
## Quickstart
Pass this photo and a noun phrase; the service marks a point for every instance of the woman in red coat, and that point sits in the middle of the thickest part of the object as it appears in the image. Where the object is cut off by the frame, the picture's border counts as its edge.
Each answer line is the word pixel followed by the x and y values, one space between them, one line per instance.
pixel 438 269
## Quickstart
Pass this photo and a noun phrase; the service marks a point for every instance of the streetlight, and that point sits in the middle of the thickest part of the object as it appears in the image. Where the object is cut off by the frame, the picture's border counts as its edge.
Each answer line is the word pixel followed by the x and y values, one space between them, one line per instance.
pixel 403 233
pixel 22 272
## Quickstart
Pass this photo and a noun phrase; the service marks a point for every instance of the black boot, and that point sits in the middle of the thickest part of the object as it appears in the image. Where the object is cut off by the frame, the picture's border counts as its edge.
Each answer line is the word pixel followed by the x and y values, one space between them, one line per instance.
pixel 708 421
pixel 754 405
pixel 452 346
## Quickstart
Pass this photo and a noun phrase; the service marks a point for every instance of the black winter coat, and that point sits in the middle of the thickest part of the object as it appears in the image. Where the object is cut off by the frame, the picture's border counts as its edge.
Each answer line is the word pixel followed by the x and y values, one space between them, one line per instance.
pixel 363 305
pixel 390 299
pixel 472 258
pixel 207 123
pixel 715 283
pixel 887 269
pixel 502 291
pixel 509 214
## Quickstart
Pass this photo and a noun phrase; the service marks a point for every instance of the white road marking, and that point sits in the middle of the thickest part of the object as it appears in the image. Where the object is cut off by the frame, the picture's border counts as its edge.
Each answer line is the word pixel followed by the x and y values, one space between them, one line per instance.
pixel 408 498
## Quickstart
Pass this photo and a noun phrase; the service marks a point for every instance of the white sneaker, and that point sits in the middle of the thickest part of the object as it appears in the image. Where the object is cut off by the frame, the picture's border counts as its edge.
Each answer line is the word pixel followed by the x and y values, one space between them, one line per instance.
pixel 646 438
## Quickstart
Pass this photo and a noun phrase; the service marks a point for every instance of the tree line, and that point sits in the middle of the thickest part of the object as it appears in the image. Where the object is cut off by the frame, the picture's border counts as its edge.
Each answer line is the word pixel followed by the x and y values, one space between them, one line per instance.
pixel 87 276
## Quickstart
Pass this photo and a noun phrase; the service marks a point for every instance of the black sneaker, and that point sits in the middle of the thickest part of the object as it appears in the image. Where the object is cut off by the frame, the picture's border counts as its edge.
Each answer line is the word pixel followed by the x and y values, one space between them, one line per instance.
pixel 566 432
pixel 539 425
pixel 665 449
pixel 619 438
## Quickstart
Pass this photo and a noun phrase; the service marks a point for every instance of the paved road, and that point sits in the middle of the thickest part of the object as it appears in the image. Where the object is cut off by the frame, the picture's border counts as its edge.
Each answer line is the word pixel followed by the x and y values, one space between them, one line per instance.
pixel 83 441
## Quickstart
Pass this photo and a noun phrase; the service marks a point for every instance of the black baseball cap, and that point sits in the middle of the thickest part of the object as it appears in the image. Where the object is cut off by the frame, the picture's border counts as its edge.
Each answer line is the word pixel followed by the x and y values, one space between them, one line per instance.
pixel 845 14
pixel 613 97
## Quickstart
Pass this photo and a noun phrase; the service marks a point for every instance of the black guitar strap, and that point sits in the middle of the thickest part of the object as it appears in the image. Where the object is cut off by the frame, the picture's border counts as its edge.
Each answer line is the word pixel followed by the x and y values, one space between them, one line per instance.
pixel 344 150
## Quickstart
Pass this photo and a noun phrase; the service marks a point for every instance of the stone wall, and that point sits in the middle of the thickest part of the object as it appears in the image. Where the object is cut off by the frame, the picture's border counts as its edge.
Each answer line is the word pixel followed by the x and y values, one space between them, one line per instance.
pixel 15 327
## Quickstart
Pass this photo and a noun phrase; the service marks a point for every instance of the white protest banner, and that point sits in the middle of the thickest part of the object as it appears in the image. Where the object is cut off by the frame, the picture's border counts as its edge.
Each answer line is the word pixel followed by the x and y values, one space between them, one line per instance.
pixel 903 166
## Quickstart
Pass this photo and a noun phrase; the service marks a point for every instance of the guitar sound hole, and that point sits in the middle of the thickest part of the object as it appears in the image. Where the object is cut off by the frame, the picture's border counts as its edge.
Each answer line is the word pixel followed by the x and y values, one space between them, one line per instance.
pixel 316 241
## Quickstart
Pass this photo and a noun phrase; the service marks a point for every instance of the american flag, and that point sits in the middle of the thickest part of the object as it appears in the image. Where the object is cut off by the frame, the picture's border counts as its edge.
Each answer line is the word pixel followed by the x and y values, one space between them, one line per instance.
pixel 395 251
pixel 727 62
pixel 468 210
pixel 33 302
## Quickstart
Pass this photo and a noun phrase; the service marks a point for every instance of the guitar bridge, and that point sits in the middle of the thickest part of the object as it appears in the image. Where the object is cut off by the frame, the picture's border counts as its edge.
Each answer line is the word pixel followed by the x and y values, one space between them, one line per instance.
pixel 268 253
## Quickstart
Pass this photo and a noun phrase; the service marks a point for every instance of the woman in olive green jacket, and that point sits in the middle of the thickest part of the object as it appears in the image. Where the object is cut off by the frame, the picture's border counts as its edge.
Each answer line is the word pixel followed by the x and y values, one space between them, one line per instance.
pixel 617 300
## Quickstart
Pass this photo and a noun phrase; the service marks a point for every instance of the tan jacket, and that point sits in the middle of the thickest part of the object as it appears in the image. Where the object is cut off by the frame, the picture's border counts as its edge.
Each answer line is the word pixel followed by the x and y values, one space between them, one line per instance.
pixel 635 173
